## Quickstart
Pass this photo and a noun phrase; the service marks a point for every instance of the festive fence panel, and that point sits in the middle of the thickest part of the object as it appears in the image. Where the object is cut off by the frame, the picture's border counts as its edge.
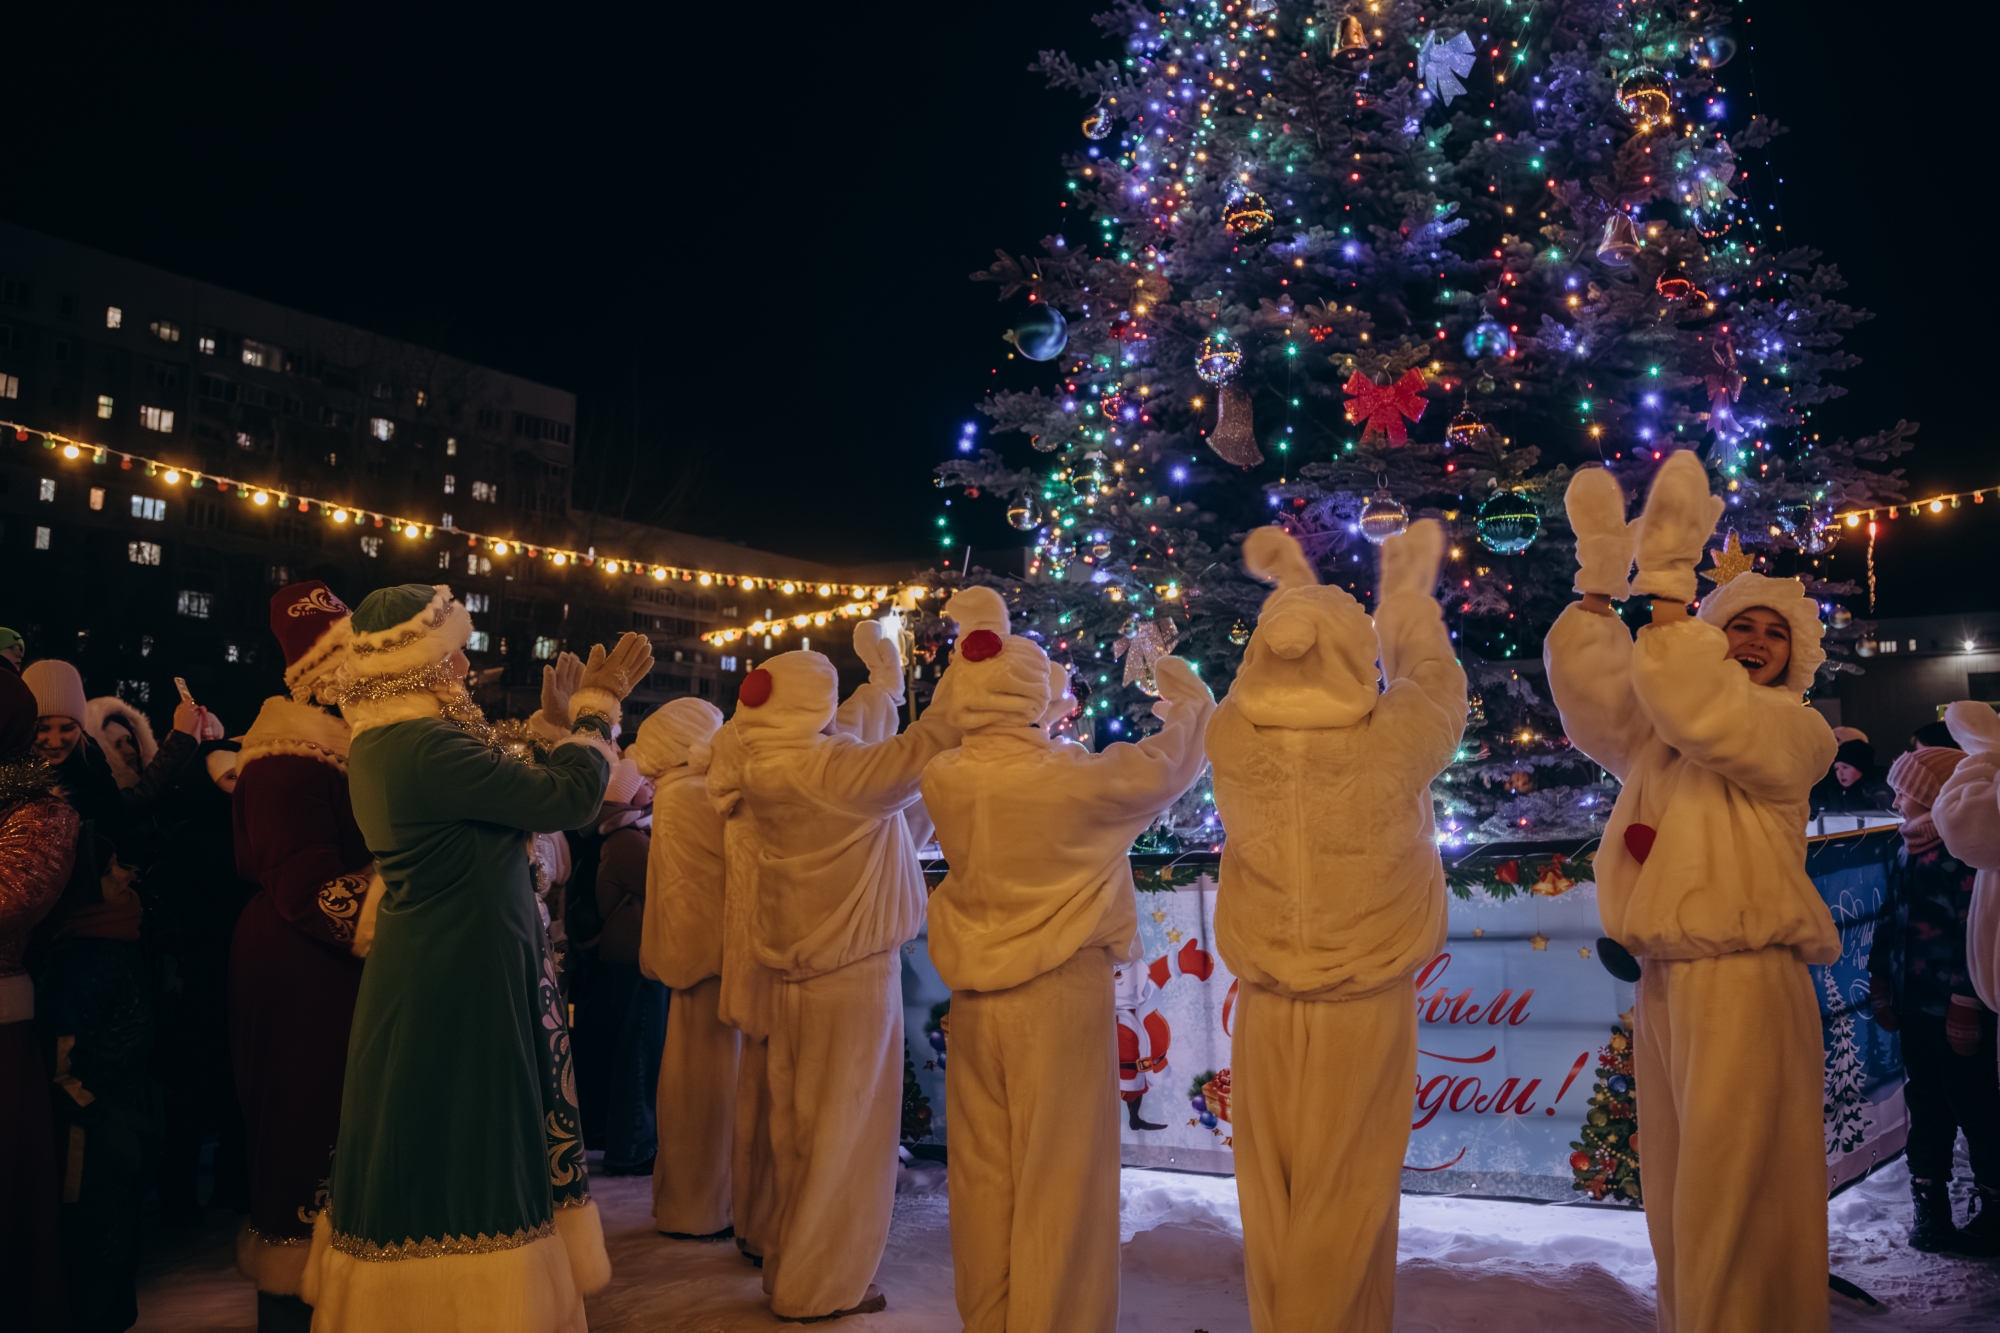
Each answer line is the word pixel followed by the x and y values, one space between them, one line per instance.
pixel 1524 1061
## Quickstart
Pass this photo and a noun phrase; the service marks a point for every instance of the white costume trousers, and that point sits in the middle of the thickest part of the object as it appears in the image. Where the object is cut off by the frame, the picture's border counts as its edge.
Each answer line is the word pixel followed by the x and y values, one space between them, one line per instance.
pixel 1731 1081
pixel 836 1119
pixel 1320 1102
pixel 696 1109
pixel 1031 1101
pixel 753 1176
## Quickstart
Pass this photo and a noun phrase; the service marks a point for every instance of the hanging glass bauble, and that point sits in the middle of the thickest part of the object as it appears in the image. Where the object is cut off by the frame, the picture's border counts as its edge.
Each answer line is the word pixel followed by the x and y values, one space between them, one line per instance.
pixel 1509 523
pixel 1086 482
pixel 1100 550
pixel 1247 216
pixel 1715 50
pixel 1383 517
pixel 1097 125
pixel 1023 515
pixel 1111 405
pixel 1643 93
pixel 1350 40
pixel 1239 634
pixel 1041 334
pixel 1676 285
pixel 1219 361
pixel 1489 338
pixel 1466 429
pixel 1818 538
pixel 1620 243
pixel 1842 617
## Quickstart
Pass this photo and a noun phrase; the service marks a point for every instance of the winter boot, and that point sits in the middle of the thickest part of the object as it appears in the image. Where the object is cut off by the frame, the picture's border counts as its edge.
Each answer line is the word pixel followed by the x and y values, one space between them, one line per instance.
pixel 1980 1236
pixel 1931 1230
pixel 1137 1121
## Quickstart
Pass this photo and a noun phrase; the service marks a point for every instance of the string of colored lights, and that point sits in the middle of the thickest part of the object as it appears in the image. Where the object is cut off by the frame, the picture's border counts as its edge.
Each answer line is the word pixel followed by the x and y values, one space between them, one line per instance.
pixel 340 512
pixel 1936 504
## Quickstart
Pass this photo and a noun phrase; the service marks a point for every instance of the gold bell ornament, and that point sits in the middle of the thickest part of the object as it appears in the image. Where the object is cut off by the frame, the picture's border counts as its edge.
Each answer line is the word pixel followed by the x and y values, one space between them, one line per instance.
pixel 1620 244
pixel 1234 438
pixel 1350 40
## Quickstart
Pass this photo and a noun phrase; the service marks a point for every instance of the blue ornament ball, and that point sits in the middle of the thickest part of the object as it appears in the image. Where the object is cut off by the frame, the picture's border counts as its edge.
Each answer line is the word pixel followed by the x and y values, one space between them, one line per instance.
pixel 1042 333
pixel 1488 339
pixel 1207 1120
pixel 1508 523
pixel 1619 1084
pixel 1199 1105
pixel 937 1041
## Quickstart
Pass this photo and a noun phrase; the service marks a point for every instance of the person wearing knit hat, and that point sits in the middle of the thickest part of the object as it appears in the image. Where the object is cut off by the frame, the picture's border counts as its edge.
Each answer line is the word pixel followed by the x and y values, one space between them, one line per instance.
pixel 13 650
pixel 685 888
pixel 1332 896
pixel 38 838
pixel 63 741
pixel 1853 784
pixel 1701 875
pixel 1920 984
pixel 1026 929
pixel 295 957
pixel 459 1196
pixel 838 893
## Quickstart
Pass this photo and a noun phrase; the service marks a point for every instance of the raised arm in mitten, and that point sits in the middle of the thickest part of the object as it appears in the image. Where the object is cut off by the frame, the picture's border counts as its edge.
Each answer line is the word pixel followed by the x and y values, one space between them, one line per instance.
pixel 1143 779
pixel 880 778
pixel 1605 542
pixel 1588 652
pixel 608 677
pixel 1680 518
pixel 550 723
pixel 1967 809
pixel 1416 646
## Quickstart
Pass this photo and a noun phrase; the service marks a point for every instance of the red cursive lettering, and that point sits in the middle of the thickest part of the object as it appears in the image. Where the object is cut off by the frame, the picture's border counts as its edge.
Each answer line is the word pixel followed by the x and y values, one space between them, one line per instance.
pixel 1442 1006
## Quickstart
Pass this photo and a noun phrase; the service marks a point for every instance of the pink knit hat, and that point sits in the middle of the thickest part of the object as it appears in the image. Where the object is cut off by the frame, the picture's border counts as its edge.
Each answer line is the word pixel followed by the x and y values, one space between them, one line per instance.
pixel 1918 774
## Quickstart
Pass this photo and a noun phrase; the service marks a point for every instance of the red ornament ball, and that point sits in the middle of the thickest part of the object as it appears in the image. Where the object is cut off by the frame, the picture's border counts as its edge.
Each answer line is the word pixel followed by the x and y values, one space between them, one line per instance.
pixel 1579 1161
pixel 755 691
pixel 980 645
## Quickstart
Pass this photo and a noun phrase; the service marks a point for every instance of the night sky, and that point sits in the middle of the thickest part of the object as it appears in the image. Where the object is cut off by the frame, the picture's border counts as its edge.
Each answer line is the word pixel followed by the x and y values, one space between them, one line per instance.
pixel 744 245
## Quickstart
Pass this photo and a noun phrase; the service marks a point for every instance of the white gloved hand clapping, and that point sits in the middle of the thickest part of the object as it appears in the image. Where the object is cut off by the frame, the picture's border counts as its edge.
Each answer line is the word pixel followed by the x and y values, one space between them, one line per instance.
pixel 1680 517
pixel 1604 540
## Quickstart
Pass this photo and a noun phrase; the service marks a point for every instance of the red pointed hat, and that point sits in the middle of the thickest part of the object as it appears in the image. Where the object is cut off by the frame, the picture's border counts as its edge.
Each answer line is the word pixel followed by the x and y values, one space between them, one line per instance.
pixel 312 628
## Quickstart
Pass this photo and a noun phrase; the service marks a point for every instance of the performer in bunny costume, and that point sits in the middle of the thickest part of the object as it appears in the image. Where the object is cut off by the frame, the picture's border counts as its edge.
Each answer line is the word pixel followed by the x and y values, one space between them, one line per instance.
pixel 838 893
pixel 1701 875
pixel 682 947
pixel 1967 815
pixel 1026 929
pixel 1332 896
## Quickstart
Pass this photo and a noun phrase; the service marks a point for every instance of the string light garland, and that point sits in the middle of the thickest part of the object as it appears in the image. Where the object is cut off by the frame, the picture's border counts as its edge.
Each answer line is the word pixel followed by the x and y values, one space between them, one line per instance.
pixel 340 512
pixel 1936 504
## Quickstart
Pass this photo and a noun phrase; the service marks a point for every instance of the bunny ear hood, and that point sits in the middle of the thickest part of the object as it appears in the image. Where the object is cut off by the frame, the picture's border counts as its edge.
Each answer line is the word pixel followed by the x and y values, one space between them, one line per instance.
pixel 1311 660
pixel 804 690
pixel 1788 598
pixel 978 608
pixel 1010 688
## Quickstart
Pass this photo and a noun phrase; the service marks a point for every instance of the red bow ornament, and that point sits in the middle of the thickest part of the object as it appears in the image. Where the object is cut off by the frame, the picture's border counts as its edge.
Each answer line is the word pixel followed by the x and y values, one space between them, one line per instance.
pixel 1382 407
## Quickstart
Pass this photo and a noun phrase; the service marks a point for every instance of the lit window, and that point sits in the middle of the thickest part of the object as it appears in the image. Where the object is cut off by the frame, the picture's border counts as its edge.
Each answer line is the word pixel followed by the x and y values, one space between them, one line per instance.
pixel 545 647
pixel 145 506
pixel 485 490
pixel 485 565
pixel 244 440
pixel 41 539
pixel 423 399
pixel 260 355
pixel 206 346
pixel 136 691
pixel 193 604
pixel 97 497
pixel 444 522
pixel 165 332
pixel 10 386
pixel 451 447
pixel 478 642
pixel 104 405
pixel 450 484
pixel 475 601
pixel 48 490
pixel 230 653
pixel 382 428
pixel 373 546
pixel 160 419
pixel 113 317
pixel 278 575
pixel 729 664
pixel 805 645
pixel 143 553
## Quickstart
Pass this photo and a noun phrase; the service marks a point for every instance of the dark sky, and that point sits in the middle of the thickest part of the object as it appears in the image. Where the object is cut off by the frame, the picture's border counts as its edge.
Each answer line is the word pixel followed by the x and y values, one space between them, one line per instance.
pixel 744 244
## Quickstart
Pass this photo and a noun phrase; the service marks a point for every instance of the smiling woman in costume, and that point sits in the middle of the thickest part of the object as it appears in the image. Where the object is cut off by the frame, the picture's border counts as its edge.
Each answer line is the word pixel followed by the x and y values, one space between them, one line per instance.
pixel 459 1199
pixel 1702 875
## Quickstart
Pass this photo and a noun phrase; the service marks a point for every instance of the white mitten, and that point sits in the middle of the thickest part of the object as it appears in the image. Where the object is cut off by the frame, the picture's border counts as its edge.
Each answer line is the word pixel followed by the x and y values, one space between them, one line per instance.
pixel 1975 726
pixel 1410 561
pixel 1604 540
pixel 1179 687
pixel 1680 518
pixel 882 656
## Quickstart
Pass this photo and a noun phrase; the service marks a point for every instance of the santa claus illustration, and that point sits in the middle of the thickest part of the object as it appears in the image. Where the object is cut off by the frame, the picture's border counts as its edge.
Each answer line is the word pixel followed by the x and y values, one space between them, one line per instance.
pixel 1143 1034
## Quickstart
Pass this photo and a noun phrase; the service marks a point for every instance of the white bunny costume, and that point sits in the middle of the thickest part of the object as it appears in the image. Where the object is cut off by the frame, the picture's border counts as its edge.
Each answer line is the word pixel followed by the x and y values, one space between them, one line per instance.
pixel 1967 815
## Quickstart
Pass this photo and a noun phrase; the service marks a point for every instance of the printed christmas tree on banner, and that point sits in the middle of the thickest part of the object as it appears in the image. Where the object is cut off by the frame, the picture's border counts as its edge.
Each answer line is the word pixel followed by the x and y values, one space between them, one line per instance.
pixel 1341 273
pixel 1845 1074
pixel 1606 1160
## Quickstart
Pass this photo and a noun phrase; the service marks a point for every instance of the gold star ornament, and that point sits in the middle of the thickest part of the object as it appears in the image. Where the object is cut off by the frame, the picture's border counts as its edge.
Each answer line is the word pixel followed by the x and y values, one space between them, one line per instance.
pixel 1174 936
pixel 1539 942
pixel 1159 915
pixel 1728 562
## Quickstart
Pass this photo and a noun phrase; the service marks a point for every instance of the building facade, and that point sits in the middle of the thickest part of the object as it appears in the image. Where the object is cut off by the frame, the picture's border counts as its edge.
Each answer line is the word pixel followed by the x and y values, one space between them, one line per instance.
pixel 139 571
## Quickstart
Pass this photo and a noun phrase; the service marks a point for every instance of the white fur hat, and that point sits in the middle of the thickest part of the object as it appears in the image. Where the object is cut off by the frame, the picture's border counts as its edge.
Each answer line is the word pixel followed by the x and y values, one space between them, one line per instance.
pixel 792 694
pixel 1787 597
pixel 1311 662
pixel 670 731
pixel 977 609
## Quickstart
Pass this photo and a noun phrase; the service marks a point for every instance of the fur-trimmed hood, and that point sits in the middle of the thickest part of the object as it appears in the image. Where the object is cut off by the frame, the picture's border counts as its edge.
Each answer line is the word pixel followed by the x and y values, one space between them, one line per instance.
pixel 286 727
pixel 395 632
pixel 1788 598
pixel 105 709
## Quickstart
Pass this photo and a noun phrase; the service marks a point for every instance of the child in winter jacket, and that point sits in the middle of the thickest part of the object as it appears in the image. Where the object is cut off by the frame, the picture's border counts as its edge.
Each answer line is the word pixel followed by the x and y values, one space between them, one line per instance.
pixel 1919 984
pixel 1332 896
pixel 1701 875
pixel 1037 909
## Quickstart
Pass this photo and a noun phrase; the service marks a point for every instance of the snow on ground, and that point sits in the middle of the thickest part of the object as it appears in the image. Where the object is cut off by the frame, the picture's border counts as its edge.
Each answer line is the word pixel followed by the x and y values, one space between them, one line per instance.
pixel 1475 1265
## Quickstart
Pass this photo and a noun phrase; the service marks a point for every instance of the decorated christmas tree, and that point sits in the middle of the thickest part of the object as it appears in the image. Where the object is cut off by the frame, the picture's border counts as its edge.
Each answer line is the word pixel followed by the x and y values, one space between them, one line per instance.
pixel 1845 1074
pixel 1606 1156
pixel 1338 264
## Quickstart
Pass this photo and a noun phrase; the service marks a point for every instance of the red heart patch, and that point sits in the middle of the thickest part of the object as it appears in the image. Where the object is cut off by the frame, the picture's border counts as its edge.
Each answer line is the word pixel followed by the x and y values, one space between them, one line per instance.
pixel 1639 841
pixel 755 690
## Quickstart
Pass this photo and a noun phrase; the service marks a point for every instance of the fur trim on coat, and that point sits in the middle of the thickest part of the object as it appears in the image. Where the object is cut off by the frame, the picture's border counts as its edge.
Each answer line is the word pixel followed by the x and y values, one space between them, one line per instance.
pixel 101 710
pixel 285 727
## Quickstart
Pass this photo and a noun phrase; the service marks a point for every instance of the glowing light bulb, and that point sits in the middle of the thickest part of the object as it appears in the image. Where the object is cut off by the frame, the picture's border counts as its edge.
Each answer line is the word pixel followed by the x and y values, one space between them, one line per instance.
pixel 788 589
pixel 660 574
pixel 261 497
pixel 561 559
pixel 71 451
pixel 340 516
pixel 1937 506
pixel 499 548
pixel 409 529
pixel 705 580
pixel 1854 520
